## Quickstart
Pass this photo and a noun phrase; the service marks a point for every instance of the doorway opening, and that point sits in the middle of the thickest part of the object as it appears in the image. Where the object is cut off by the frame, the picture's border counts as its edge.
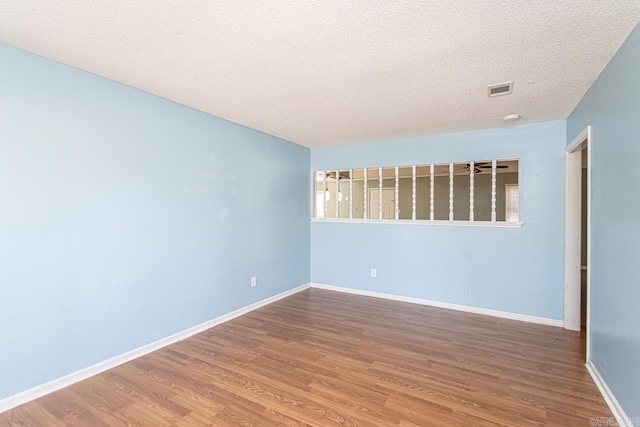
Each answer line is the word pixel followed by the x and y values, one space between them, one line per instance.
pixel 578 234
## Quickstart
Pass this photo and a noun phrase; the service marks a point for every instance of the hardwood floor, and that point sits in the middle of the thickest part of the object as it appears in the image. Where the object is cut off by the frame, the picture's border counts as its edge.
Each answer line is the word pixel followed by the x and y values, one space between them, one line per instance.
pixel 323 358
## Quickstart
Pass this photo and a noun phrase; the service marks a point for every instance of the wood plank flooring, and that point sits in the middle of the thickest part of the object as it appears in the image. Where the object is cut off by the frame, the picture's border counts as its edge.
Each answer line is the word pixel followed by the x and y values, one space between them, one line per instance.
pixel 321 358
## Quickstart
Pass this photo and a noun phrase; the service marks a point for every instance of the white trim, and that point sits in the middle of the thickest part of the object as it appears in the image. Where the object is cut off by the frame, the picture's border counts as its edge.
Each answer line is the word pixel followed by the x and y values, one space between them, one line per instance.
pixel 381 187
pixel 621 417
pixel 497 224
pixel 472 167
pixel 413 192
pixel 494 164
pixel 451 167
pixel 431 192
pixel 396 196
pixel 325 191
pixel 350 193
pixel 572 240
pixel 77 376
pixel 337 194
pixel 583 141
pixel 589 246
pixel 447 305
pixel 577 142
pixel 366 202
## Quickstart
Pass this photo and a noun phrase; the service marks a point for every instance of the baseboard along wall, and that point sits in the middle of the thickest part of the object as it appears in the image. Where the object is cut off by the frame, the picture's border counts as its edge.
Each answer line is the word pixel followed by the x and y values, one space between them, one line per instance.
pixel 67 380
pixel 450 306
pixel 74 377
pixel 619 414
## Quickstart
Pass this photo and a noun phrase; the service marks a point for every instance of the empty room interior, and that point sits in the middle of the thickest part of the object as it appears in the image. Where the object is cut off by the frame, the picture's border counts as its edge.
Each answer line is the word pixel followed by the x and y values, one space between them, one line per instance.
pixel 401 213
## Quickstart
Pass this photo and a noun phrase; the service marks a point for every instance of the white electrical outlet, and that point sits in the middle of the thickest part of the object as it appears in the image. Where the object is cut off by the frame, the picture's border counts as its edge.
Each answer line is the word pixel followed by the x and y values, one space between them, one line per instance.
pixel 374 273
pixel 254 281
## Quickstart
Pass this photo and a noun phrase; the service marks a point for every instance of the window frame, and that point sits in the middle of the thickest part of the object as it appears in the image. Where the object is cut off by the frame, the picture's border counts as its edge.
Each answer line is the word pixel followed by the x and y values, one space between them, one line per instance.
pixel 470 165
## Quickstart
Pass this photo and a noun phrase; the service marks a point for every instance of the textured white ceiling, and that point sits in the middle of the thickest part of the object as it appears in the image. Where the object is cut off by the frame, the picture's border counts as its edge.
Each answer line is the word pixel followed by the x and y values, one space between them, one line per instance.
pixel 322 72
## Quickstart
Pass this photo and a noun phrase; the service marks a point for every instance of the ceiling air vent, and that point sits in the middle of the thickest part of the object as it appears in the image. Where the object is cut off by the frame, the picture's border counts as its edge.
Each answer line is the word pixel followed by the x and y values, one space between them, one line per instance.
pixel 500 89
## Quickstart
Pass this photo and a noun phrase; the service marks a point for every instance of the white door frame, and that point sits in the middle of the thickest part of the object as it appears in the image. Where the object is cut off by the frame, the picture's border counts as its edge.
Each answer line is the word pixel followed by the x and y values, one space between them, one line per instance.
pixel 573 207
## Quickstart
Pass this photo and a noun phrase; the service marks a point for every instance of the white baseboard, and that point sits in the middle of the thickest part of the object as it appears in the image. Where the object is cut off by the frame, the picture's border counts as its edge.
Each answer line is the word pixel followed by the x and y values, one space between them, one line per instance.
pixel 450 306
pixel 622 418
pixel 74 377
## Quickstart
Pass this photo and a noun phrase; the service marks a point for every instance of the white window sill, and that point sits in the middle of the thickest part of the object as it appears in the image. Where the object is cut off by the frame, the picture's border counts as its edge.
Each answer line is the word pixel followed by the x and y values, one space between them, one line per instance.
pixel 490 224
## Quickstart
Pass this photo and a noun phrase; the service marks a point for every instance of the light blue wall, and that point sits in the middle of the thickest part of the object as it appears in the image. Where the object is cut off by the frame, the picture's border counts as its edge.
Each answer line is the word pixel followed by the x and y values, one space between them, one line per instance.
pixel 508 269
pixel 125 218
pixel 612 108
